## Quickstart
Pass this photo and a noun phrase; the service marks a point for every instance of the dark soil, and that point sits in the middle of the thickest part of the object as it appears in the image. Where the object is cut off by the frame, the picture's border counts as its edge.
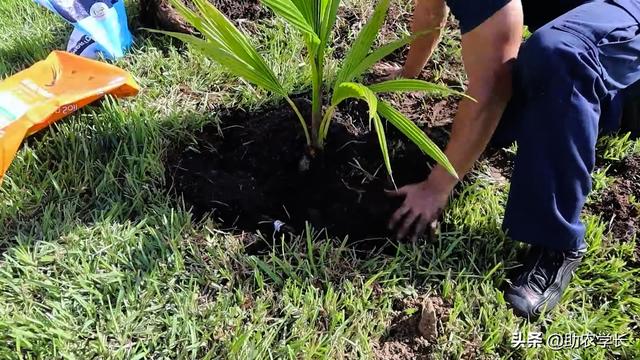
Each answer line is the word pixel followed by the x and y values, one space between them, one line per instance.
pixel 404 338
pixel 248 174
pixel 617 202
pixel 159 14
pixel 242 9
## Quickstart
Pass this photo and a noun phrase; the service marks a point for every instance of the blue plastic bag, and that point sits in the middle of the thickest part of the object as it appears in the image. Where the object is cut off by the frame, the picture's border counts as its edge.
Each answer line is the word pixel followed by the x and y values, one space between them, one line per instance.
pixel 100 26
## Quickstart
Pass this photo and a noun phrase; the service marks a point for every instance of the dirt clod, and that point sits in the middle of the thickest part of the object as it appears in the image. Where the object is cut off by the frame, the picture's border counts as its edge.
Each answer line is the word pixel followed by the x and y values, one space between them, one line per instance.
pixel 405 338
pixel 428 325
pixel 161 15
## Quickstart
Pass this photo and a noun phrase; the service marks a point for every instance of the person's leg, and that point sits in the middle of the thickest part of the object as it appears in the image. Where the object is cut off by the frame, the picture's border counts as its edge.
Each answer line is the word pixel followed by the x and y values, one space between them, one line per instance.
pixel 612 107
pixel 556 142
pixel 507 130
pixel 569 70
pixel 630 121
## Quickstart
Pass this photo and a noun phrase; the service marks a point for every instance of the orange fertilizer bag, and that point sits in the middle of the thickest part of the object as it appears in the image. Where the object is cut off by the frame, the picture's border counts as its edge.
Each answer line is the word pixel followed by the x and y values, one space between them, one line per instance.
pixel 50 90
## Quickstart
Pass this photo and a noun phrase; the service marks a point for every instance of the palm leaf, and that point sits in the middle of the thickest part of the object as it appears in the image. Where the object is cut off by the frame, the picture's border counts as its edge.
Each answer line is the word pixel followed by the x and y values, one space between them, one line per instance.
pixel 415 134
pixel 348 90
pixel 232 63
pixel 307 9
pixel 345 91
pixel 405 85
pixel 289 11
pixel 226 45
pixel 329 16
pixel 216 27
pixel 382 139
pixel 363 43
pixel 378 55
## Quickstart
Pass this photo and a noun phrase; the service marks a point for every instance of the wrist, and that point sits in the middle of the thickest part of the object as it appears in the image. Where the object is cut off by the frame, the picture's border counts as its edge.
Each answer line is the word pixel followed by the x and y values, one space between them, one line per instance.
pixel 441 180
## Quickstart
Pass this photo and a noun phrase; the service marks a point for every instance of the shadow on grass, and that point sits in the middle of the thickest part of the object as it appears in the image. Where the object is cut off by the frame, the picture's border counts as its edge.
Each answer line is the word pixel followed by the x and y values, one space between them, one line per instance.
pixel 24 52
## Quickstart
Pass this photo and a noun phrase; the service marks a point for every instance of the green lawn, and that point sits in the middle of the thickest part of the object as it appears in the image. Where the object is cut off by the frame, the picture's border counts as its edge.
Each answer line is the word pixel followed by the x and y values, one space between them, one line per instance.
pixel 98 260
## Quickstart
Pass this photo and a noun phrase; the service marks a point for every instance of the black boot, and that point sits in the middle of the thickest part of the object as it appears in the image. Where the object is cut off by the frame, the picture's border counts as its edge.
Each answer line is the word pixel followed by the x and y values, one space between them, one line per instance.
pixel 540 282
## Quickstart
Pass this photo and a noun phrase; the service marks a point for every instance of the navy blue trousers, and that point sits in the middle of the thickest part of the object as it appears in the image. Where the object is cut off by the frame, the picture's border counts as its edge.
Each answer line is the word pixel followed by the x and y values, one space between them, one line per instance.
pixel 569 79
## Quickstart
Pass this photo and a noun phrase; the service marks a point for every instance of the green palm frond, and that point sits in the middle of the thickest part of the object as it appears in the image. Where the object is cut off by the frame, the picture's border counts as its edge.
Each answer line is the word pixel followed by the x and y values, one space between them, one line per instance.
pixel 345 91
pixel 329 16
pixel 363 43
pixel 415 134
pixel 382 140
pixel 227 45
pixel 232 63
pixel 405 85
pixel 377 55
pixel 299 15
pixel 348 90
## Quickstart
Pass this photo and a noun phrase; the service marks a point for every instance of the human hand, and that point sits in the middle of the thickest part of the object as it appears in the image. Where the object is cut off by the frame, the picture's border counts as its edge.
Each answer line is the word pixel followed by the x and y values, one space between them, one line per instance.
pixel 420 210
pixel 387 71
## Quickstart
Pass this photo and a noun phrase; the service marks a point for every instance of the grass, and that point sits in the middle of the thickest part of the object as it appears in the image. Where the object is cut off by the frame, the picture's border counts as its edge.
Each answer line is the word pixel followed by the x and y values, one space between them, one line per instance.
pixel 99 261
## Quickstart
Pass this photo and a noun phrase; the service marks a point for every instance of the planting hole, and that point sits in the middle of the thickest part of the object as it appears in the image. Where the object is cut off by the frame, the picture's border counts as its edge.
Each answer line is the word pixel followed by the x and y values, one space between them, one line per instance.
pixel 246 174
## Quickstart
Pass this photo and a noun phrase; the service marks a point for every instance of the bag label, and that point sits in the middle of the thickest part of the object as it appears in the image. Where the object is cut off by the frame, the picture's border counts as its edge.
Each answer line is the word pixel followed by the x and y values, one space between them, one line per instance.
pixel 11 108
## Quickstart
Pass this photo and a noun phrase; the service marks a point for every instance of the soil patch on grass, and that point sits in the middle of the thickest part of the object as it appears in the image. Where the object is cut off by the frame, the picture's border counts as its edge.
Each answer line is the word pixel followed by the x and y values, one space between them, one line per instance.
pixel 621 202
pixel 249 172
pixel 413 329
pixel 159 13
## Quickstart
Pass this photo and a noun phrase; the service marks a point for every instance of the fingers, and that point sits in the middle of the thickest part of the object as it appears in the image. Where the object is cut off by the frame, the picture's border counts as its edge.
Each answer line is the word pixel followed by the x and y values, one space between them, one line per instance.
pixel 433 227
pixel 393 75
pixel 396 193
pixel 387 71
pixel 421 226
pixel 397 216
pixel 413 217
pixel 406 225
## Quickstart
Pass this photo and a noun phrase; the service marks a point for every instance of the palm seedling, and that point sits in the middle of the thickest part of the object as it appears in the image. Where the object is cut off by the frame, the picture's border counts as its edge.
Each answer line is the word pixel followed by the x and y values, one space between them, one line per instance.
pixel 224 43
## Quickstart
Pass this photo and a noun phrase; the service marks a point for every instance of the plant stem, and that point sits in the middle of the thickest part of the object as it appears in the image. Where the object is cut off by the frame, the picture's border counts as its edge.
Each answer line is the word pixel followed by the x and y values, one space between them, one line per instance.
pixel 317 70
pixel 326 122
pixel 301 118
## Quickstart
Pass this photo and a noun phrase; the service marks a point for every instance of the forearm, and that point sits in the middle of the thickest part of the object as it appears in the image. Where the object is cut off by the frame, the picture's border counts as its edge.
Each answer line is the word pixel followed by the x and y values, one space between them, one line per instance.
pixel 473 128
pixel 430 17
pixel 488 53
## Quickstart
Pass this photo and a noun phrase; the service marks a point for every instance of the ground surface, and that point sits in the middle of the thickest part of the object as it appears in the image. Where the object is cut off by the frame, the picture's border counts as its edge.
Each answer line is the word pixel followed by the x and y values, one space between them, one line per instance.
pixel 101 260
